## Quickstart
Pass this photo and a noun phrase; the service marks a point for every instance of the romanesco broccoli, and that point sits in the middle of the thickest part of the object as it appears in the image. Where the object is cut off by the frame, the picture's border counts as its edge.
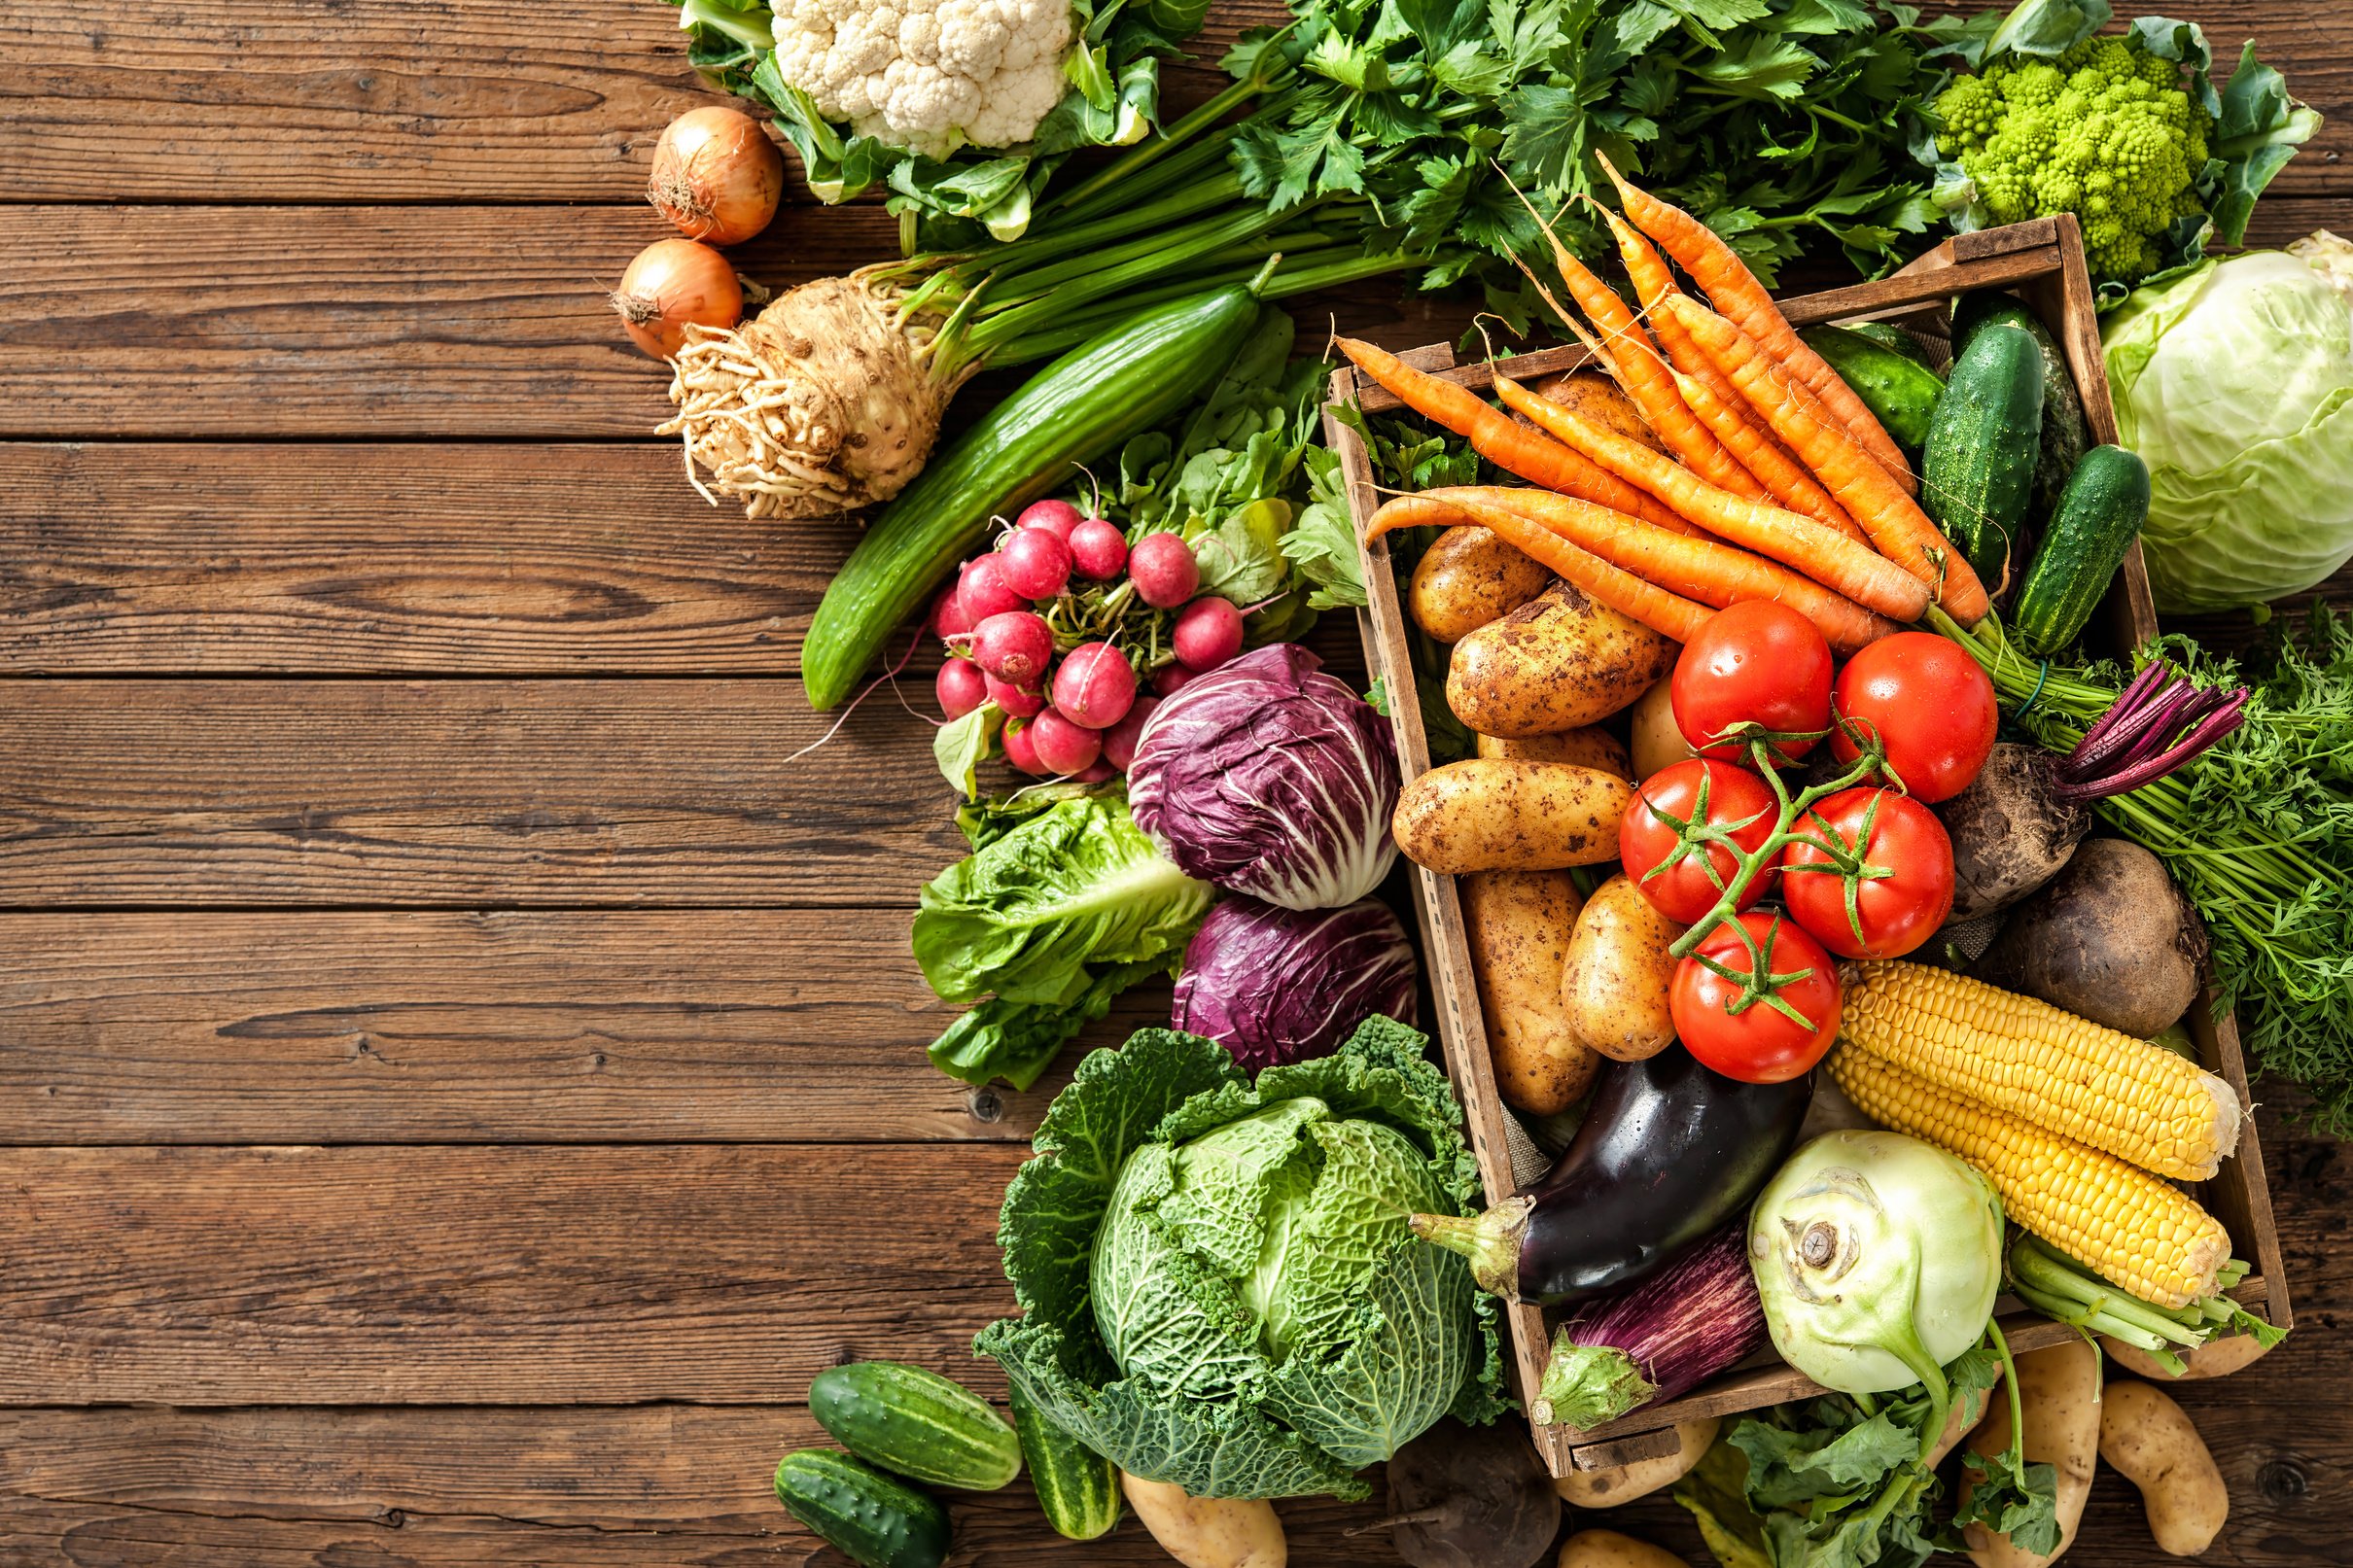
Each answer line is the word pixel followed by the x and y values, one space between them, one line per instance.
pixel 2105 131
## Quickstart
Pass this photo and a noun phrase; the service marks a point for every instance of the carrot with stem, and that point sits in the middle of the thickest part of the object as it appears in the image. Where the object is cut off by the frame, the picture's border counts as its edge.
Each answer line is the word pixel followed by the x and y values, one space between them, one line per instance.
pixel 1735 291
pixel 1695 566
pixel 1670 614
pixel 1894 520
pixel 1724 413
pixel 1495 436
pixel 1633 363
pixel 1824 554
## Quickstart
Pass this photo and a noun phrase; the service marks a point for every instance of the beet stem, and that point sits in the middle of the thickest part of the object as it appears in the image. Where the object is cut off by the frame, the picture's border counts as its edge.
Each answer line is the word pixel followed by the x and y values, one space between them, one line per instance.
pixel 2156 725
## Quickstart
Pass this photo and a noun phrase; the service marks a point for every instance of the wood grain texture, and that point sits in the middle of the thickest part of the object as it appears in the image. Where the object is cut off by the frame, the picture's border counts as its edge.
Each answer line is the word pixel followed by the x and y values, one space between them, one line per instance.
pixel 542 1276
pixel 537 101
pixel 438 558
pixel 741 1026
pixel 582 1488
pixel 479 793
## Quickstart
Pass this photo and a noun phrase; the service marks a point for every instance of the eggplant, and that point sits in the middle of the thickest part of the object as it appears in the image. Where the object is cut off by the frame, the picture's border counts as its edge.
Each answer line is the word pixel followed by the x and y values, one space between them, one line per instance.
pixel 1668 1151
pixel 1656 1339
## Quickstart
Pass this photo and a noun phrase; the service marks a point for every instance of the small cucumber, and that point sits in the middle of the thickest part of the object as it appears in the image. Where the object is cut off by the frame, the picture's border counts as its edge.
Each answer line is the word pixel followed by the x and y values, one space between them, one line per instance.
pixel 2064 434
pixel 1896 387
pixel 1076 409
pixel 1078 1488
pixel 916 1422
pixel 862 1512
pixel 1977 471
pixel 2099 515
pixel 1887 335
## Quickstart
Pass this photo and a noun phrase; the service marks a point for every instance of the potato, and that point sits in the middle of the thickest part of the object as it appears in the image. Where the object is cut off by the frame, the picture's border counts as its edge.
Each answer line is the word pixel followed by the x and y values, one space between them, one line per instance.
pixel 1656 742
pixel 2216 1358
pixel 1594 396
pixel 2150 1442
pixel 1613 988
pixel 1467 578
pixel 1589 748
pixel 1486 814
pixel 2060 1391
pixel 2110 938
pixel 1622 1484
pixel 1607 1549
pixel 1518 922
pixel 1208 1532
pixel 1559 662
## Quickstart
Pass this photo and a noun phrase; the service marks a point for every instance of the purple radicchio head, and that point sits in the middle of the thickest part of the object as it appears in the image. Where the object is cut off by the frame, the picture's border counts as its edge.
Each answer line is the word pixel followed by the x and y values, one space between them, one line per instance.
pixel 1269 778
pixel 1276 986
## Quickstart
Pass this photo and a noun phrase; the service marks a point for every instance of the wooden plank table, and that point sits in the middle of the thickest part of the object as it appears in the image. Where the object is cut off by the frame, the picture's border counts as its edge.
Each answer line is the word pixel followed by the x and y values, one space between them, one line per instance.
pixel 460 1066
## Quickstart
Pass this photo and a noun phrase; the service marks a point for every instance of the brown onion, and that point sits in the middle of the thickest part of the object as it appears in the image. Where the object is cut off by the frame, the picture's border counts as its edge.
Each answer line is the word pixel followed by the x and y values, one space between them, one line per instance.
pixel 673 283
pixel 716 176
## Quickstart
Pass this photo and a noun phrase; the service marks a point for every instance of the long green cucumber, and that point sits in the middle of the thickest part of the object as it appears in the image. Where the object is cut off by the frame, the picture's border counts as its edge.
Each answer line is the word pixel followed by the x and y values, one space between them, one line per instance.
pixel 916 1422
pixel 862 1513
pixel 1896 387
pixel 1977 471
pixel 2099 515
pixel 2065 433
pixel 1074 412
pixel 1078 1488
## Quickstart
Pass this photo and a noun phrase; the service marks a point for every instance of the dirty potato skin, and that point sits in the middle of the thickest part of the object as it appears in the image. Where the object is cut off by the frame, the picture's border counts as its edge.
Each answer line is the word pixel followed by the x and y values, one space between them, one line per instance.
pixel 1593 396
pixel 1588 747
pixel 1486 814
pixel 1517 925
pixel 1559 662
pixel 1469 578
pixel 1613 988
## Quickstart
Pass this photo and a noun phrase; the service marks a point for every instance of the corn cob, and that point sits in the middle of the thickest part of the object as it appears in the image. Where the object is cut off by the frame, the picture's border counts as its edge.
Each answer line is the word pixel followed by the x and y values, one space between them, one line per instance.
pixel 2136 1230
pixel 2063 1073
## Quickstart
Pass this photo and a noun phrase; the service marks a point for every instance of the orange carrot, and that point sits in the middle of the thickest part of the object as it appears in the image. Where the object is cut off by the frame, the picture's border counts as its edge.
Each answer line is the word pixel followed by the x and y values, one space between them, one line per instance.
pixel 1724 413
pixel 1893 520
pixel 1670 614
pixel 1495 436
pixel 1697 568
pixel 1735 291
pixel 1633 363
pixel 1824 554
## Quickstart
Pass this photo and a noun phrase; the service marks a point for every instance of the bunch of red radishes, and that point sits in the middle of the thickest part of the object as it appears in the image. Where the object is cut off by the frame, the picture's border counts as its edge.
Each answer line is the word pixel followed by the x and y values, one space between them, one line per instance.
pixel 1044 626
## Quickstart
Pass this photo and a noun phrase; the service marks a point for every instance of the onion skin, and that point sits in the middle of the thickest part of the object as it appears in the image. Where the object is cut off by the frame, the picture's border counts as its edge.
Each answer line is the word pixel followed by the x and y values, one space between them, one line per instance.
pixel 716 176
pixel 675 283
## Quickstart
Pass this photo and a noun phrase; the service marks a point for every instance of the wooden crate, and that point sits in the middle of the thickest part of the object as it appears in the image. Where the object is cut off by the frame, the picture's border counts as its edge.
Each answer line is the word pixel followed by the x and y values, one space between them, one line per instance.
pixel 2043 261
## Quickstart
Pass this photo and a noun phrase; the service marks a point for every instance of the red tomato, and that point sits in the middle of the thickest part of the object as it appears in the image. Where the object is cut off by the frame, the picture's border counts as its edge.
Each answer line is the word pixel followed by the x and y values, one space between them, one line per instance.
pixel 1684 891
pixel 1904 889
pixel 1931 707
pixel 1755 663
pixel 1750 1037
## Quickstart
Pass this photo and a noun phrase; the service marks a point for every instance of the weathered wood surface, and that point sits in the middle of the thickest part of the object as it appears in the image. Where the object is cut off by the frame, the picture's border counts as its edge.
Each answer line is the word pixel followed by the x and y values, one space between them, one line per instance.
pixel 706 1025
pixel 540 101
pixel 470 1234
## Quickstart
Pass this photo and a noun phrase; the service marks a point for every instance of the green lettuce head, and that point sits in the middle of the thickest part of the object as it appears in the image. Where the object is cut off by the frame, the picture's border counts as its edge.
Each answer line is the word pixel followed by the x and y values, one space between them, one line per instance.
pixel 1218 1287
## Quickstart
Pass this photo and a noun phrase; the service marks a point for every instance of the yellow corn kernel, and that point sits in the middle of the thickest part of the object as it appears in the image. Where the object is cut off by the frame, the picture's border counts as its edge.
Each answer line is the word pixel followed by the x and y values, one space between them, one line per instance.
pixel 2136 1230
pixel 2042 1064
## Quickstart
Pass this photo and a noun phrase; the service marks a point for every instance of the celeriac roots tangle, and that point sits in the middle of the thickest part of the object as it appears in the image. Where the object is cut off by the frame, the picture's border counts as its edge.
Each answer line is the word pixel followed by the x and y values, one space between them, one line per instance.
pixel 825 403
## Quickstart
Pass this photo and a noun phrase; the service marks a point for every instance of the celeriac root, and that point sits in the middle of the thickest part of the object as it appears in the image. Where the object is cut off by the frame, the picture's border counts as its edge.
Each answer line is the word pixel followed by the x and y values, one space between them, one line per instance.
pixel 824 403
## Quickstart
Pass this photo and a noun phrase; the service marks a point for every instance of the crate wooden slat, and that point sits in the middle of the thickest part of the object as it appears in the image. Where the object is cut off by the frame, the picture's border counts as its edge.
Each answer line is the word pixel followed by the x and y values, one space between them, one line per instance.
pixel 2041 261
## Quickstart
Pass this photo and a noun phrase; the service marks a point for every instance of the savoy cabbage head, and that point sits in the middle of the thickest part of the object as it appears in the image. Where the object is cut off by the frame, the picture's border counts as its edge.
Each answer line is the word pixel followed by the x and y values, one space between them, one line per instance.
pixel 1218 1287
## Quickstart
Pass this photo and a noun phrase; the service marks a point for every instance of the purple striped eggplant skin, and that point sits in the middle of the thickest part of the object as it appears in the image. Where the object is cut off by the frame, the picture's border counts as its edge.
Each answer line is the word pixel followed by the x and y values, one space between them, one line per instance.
pixel 1656 1339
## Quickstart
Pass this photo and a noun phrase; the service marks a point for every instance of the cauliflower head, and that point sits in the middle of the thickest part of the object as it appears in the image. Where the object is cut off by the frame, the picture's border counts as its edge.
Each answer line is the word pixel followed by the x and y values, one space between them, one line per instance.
pixel 929 76
pixel 2105 131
